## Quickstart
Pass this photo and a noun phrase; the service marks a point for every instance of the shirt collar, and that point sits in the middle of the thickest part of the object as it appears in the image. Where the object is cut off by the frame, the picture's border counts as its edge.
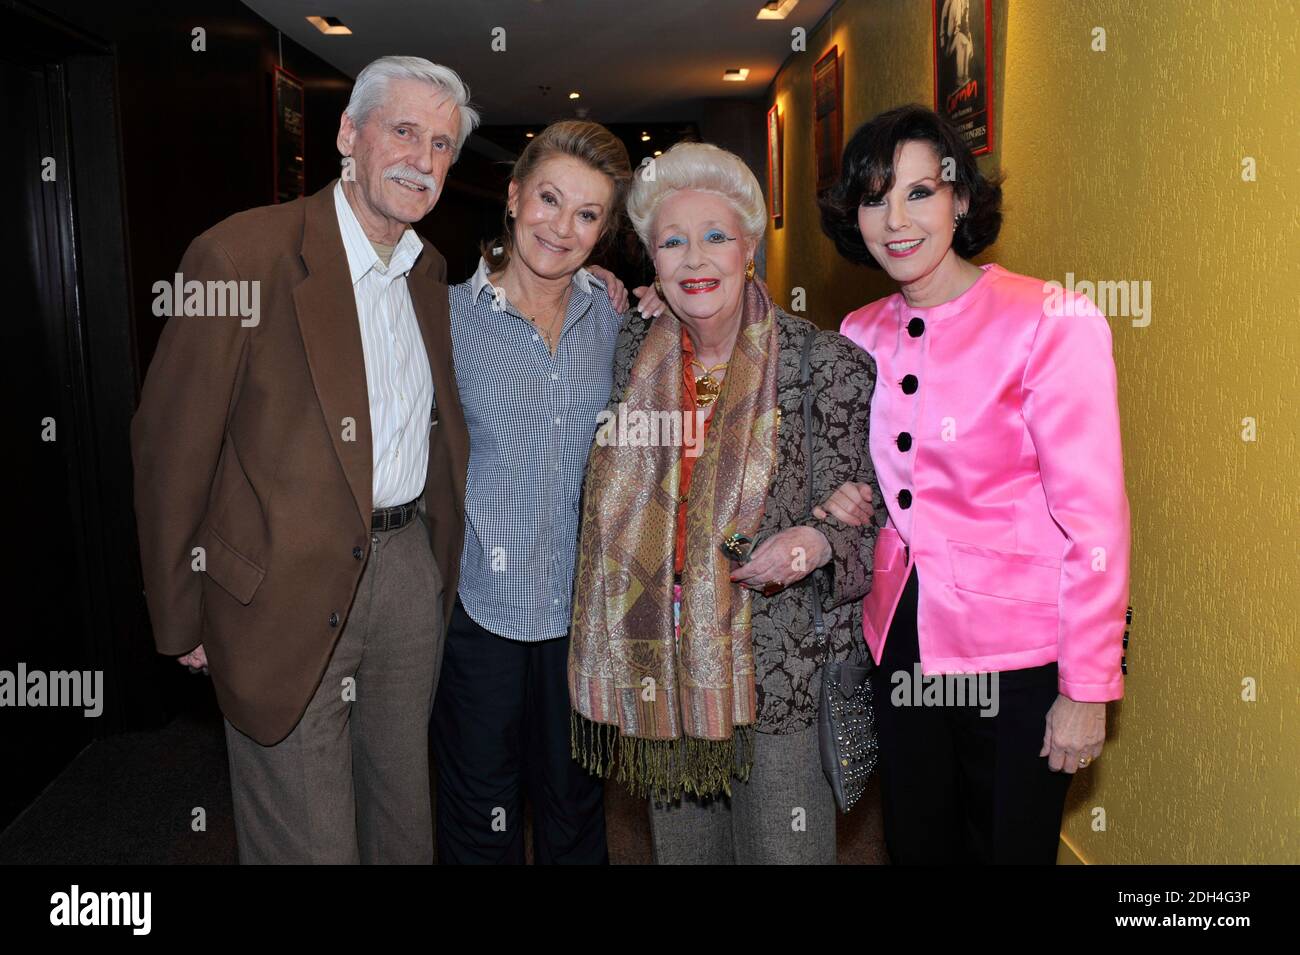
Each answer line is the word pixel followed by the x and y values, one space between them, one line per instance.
pixel 584 280
pixel 362 256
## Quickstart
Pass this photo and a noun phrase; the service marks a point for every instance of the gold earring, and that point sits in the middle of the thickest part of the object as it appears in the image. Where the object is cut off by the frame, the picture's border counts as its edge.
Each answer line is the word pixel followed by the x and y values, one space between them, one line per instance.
pixel 659 290
pixel 749 270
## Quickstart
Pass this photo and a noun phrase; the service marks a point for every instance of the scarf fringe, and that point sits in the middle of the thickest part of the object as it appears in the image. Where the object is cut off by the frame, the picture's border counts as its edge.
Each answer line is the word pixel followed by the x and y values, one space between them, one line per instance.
pixel 662 769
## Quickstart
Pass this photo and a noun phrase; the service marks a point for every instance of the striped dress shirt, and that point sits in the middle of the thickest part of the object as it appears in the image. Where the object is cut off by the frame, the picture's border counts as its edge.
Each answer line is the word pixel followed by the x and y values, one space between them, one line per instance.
pixel 532 418
pixel 398 379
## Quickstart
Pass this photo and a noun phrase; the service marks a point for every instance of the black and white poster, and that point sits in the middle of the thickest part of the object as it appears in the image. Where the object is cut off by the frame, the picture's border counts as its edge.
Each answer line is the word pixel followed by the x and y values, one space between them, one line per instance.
pixel 963 68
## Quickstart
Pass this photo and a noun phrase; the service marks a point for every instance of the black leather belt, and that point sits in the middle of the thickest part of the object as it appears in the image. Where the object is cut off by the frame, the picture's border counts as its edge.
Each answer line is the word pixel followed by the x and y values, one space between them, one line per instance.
pixel 391 518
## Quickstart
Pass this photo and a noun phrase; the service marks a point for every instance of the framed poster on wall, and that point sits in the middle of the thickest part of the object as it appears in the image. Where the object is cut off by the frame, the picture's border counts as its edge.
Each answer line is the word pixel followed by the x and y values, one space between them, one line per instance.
pixel 963 68
pixel 828 123
pixel 287 141
pixel 775 198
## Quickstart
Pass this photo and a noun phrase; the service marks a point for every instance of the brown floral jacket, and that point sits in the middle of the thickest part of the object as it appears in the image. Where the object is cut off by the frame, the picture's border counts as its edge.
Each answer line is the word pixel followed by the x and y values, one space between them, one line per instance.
pixel 787 654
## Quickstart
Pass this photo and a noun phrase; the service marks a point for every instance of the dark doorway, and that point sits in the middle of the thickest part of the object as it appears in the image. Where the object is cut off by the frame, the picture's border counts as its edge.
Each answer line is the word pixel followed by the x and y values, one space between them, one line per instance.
pixel 73 597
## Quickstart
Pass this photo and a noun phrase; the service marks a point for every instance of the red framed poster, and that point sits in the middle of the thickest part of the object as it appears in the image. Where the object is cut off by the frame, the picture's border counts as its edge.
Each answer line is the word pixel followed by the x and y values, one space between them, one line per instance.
pixel 828 123
pixel 775 179
pixel 963 68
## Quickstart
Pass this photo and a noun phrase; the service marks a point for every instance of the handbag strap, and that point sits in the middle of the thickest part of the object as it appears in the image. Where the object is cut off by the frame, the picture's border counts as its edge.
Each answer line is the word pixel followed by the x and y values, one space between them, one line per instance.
pixel 805 382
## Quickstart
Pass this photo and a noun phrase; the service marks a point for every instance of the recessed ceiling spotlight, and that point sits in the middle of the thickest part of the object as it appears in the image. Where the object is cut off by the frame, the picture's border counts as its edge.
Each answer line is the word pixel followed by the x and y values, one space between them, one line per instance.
pixel 659 152
pixel 330 26
pixel 776 9
pixel 645 137
pixel 736 76
pixel 574 95
pixel 528 135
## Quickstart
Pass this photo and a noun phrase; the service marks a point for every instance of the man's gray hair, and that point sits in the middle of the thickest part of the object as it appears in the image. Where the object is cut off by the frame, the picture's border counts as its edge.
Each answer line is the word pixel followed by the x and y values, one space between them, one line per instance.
pixel 372 85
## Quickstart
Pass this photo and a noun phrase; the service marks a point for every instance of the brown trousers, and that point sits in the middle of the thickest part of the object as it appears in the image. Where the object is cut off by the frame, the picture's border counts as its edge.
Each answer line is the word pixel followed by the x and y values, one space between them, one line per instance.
pixel 351 782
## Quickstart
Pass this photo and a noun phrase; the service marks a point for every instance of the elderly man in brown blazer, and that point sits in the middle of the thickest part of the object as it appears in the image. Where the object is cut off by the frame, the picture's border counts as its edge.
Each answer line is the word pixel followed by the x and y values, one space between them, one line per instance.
pixel 299 483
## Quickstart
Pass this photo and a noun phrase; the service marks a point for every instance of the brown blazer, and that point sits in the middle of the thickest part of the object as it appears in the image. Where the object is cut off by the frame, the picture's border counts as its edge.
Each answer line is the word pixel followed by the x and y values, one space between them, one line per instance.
pixel 239 448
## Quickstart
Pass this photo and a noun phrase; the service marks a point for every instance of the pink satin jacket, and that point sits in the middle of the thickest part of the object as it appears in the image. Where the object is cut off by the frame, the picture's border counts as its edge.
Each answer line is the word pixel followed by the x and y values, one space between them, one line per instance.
pixel 995 437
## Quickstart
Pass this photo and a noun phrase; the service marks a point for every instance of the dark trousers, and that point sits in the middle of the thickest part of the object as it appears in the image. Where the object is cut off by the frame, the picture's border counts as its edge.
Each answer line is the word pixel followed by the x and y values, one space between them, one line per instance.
pixel 500 729
pixel 958 787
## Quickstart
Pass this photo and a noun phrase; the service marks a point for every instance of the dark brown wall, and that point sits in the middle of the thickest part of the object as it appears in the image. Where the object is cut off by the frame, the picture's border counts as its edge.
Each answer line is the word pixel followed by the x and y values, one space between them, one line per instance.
pixel 196 126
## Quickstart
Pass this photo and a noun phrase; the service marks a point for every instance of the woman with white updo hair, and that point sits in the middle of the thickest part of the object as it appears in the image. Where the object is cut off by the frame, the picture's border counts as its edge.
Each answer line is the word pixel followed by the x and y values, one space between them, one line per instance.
pixel 694 666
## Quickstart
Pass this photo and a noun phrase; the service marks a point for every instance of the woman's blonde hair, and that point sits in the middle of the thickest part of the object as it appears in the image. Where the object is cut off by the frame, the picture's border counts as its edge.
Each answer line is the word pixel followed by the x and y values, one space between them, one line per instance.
pixel 588 142
pixel 704 168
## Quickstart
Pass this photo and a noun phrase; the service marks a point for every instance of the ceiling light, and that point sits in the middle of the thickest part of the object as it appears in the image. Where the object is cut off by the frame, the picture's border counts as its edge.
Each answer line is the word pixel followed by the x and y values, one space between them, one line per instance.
pixel 528 135
pixel 574 95
pixel 645 137
pixel 330 26
pixel 736 76
pixel 776 9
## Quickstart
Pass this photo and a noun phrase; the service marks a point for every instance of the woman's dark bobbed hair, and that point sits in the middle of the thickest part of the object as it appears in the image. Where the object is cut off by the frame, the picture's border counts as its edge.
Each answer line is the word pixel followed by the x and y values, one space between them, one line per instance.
pixel 867 172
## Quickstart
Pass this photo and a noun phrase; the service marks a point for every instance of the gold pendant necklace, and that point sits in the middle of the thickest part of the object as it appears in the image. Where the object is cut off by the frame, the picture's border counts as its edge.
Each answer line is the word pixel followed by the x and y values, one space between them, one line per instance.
pixel 707 388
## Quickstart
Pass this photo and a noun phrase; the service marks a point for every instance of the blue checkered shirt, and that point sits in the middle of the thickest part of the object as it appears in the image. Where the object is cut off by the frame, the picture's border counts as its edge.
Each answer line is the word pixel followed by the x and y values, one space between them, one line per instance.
pixel 532 418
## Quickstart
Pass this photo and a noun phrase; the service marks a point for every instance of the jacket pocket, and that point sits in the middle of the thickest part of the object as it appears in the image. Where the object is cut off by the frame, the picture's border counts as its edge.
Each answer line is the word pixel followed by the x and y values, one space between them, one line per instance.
pixel 888 576
pixel 1034 578
pixel 888 551
pixel 232 571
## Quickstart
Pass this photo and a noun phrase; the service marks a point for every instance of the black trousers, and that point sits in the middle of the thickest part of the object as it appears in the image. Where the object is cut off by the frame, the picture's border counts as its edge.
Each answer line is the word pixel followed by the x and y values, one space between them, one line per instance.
pixel 501 729
pixel 958 787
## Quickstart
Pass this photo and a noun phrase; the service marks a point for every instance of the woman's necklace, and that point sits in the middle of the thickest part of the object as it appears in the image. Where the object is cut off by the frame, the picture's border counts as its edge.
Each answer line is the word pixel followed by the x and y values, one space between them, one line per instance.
pixel 707 388
pixel 550 332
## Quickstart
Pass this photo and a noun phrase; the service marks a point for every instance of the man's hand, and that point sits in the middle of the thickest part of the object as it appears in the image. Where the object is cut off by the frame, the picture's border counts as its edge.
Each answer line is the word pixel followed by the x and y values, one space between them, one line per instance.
pixel 196 660
pixel 851 504
pixel 616 290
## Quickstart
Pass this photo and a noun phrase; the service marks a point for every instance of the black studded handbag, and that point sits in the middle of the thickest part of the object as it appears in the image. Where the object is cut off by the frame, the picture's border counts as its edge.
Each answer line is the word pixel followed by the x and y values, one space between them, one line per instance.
pixel 846 724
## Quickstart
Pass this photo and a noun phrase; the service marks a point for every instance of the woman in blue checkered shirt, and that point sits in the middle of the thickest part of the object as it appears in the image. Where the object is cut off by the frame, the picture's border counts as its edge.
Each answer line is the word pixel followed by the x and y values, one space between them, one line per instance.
pixel 533 337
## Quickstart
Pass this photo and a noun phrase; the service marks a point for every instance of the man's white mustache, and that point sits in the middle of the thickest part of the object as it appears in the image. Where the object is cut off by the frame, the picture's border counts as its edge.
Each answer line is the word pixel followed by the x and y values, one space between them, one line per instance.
pixel 412 175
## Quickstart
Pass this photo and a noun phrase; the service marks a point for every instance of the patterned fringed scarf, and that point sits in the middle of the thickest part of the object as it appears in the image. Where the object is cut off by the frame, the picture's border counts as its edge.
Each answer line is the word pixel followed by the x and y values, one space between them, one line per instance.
pixel 679 715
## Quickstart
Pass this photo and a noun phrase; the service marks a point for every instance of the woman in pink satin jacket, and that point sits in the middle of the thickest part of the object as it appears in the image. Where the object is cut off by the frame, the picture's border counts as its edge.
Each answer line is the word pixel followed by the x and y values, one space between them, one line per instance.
pixel 995 437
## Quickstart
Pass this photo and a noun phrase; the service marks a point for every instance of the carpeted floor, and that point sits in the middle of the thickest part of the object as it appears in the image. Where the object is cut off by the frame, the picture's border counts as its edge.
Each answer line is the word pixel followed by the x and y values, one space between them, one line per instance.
pixel 163 797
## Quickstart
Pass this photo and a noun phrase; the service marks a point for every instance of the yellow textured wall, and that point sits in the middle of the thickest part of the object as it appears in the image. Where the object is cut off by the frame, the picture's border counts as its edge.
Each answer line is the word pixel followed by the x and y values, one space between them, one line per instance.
pixel 1126 165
